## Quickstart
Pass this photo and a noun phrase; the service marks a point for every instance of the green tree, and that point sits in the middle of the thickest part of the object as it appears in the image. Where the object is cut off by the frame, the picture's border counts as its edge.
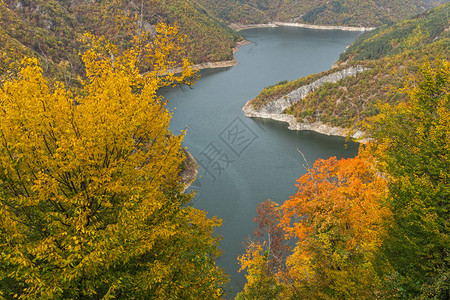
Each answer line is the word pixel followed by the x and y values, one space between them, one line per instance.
pixel 413 147
pixel 91 202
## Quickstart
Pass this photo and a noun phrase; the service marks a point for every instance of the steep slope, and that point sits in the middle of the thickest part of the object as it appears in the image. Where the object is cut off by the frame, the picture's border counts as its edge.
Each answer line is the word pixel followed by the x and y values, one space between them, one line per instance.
pixel 387 54
pixel 321 12
pixel 206 38
pixel 52 29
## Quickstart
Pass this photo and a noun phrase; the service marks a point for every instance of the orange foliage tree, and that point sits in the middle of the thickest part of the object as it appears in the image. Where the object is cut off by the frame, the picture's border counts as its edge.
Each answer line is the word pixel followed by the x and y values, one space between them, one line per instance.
pixel 337 223
pixel 337 217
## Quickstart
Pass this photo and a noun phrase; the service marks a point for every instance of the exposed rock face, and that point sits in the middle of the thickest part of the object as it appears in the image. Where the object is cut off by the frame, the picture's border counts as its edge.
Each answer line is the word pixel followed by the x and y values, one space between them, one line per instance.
pixel 189 170
pixel 274 109
pixel 238 27
pixel 325 27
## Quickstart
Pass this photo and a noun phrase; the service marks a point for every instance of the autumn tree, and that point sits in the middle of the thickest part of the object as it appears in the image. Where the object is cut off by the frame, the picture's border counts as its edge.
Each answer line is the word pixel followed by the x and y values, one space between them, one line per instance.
pixel 261 281
pixel 413 147
pixel 268 217
pixel 265 256
pixel 337 217
pixel 336 222
pixel 91 202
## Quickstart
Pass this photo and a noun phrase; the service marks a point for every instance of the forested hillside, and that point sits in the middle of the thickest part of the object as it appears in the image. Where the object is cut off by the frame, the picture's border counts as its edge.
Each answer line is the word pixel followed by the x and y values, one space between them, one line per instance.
pixel 52 30
pixel 92 203
pixel 389 52
pixel 370 227
pixel 321 12
pixel 374 226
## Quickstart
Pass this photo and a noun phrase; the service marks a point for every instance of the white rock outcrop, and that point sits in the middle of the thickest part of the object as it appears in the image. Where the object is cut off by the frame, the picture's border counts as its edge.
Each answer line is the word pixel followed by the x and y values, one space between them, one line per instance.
pixel 274 109
pixel 325 27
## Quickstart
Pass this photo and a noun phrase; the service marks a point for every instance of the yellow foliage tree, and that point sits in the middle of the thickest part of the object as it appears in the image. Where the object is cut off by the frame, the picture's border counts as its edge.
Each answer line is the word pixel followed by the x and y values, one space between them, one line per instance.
pixel 91 202
pixel 261 282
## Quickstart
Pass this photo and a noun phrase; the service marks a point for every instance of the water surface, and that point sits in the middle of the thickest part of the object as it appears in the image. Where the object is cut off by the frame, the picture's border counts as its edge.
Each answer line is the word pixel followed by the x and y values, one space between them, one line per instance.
pixel 246 161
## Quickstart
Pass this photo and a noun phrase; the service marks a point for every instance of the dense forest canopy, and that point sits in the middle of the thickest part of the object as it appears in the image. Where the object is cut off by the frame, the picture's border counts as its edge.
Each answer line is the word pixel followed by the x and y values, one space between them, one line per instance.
pixel 321 12
pixel 52 30
pixel 92 205
pixel 91 201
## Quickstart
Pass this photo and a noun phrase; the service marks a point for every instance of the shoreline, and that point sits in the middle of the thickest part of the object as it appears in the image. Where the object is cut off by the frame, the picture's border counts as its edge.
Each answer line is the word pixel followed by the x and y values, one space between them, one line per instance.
pixel 239 27
pixel 274 109
pixel 189 173
pixel 325 27
pixel 293 124
pixel 214 65
pixel 224 63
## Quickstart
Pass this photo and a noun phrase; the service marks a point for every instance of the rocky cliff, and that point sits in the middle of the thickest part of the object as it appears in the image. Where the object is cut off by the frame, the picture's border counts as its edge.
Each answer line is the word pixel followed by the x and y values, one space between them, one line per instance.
pixel 275 109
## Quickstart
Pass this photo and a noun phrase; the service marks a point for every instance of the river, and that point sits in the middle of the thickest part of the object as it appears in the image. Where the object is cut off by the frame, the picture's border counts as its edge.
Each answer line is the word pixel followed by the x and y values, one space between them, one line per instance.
pixel 246 161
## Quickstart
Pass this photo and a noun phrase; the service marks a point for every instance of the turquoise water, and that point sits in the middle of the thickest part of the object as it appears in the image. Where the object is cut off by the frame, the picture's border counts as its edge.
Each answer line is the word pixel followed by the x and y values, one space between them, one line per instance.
pixel 246 161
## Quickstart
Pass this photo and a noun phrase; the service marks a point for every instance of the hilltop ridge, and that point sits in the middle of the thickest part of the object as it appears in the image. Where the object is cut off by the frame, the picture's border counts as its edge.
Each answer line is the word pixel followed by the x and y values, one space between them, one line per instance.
pixel 319 12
